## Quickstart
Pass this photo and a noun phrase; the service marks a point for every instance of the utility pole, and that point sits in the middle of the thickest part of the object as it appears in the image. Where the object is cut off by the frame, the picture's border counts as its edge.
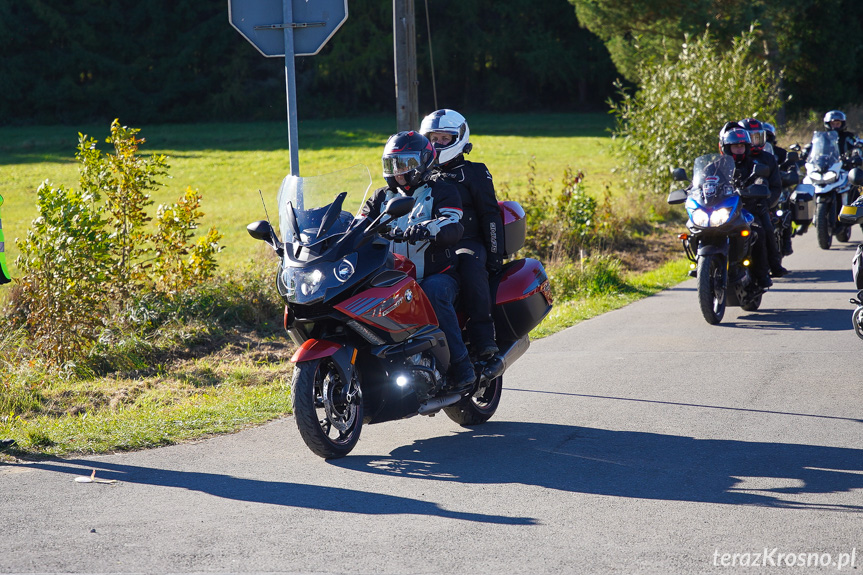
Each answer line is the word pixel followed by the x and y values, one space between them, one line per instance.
pixel 405 54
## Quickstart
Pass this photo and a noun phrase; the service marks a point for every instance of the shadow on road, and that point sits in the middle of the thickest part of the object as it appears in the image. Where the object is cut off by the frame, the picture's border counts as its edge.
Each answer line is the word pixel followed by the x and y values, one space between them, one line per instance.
pixel 270 492
pixel 793 319
pixel 630 464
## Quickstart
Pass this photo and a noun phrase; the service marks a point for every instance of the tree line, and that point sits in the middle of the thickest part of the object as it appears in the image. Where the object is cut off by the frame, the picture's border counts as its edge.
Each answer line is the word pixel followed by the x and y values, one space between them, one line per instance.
pixel 180 61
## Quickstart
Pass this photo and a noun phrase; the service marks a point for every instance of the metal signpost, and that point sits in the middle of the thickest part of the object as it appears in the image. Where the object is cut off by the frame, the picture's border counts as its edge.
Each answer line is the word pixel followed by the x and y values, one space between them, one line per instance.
pixel 288 28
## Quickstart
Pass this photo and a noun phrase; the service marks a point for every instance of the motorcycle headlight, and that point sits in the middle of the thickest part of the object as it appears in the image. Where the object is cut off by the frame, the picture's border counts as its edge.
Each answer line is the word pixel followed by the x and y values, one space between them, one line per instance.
pixel 700 218
pixel 829 177
pixel 304 282
pixel 720 216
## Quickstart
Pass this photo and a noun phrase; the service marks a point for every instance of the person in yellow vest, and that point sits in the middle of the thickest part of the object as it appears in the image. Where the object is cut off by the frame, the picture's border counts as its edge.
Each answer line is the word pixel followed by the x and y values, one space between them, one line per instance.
pixel 4 271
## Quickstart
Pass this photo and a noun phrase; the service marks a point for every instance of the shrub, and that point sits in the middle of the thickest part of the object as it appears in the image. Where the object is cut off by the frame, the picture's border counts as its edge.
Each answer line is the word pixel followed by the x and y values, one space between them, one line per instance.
pixel 683 102
pixel 90 252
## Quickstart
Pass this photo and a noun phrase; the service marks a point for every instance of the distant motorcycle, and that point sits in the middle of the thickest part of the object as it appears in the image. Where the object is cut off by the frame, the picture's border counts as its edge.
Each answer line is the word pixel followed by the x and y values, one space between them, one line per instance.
pixel 721 234
pixel 827 179
pixel 370 349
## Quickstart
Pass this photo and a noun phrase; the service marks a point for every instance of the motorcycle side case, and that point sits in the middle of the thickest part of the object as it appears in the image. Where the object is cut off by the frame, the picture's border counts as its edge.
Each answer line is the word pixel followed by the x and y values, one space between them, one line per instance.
pixel 522 295
pixel 514 226
pixel 803 204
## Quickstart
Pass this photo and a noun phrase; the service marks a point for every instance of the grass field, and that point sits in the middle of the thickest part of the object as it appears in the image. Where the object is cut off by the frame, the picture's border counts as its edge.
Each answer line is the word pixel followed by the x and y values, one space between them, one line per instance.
pixel 228 163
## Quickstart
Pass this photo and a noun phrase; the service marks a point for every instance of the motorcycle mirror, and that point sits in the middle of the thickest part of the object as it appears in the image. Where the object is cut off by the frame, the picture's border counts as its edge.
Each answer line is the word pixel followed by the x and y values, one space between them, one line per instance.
pixel 855 176
pixel 261 230
pixel 756 192
pixel 679 175
pixel 761 170
pixel 398 207
pixel 677 196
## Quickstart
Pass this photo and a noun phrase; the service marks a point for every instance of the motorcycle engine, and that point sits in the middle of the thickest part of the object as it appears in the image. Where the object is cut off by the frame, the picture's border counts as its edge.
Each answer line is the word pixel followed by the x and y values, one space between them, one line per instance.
pixel 424 378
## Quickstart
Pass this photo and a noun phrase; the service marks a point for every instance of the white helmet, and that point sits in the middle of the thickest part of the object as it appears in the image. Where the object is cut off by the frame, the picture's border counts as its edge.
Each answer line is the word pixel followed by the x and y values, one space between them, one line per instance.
pixel 450 122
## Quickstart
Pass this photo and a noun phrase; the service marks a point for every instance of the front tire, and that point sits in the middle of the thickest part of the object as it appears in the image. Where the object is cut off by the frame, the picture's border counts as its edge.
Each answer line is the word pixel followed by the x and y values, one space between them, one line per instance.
pixel 823 225
pixel 479 407
pixel 328 411
pixel 857 320
pixel 711 288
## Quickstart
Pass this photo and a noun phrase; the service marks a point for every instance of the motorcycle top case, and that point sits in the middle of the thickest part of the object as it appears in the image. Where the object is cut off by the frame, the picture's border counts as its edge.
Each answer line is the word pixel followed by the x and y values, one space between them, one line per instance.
pixel 514 226
pixel 522 298
pixel 802 203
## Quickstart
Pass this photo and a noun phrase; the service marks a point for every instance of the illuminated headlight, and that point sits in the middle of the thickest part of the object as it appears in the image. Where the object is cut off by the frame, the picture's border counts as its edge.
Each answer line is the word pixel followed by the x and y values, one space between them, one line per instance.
pixel 310 282
pixel 401 381
pixel 700 218
pixel 720 216
pixel 829 177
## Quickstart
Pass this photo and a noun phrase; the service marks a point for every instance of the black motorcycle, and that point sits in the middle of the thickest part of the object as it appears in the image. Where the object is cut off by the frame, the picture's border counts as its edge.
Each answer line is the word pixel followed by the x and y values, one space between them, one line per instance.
pixel 721 234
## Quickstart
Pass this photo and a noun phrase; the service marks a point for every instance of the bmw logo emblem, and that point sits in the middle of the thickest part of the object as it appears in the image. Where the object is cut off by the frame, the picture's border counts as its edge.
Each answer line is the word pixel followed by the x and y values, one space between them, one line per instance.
pixel 409 295
pixel 344 271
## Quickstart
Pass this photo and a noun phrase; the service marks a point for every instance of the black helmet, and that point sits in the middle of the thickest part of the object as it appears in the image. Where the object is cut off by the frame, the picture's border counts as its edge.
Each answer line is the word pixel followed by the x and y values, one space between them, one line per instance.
pixel 832 116
pixel 757 133
pixel 408 154
pixel 728 138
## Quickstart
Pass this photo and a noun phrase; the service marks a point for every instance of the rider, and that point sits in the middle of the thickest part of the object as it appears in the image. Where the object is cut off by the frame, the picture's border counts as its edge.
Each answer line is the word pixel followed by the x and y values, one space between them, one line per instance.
pixel 835 120
pixel 734 141
pixel 761 210
pixel 431 231
pixel 781 155
pixel 480 250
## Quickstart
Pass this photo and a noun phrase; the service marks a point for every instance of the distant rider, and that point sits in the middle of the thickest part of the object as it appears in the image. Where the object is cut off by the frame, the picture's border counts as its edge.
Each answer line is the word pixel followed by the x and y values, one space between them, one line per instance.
pixel 480 250
pixel 761 209
pixel 735 142
pixel 432 229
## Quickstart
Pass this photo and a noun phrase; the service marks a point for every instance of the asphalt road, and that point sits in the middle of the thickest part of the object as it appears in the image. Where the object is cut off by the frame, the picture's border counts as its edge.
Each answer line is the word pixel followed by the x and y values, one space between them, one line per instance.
pixel 641 441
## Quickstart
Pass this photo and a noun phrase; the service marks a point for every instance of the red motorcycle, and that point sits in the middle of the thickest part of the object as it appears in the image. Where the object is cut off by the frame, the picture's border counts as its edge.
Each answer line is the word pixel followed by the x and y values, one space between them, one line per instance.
pixel 370 349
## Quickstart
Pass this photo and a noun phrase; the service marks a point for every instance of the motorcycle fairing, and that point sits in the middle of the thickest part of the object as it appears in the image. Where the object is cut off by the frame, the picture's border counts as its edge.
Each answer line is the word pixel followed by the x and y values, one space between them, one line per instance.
pixel 400 310
pixel 315 349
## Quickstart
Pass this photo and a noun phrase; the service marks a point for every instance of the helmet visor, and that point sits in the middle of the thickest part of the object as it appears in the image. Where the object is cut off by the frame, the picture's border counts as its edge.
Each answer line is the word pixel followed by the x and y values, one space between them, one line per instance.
pixel 400 163
pixel 758 138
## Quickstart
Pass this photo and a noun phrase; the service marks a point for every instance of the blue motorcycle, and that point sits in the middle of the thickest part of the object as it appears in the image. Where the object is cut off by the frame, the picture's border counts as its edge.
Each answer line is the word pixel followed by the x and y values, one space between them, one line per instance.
pixel 721 234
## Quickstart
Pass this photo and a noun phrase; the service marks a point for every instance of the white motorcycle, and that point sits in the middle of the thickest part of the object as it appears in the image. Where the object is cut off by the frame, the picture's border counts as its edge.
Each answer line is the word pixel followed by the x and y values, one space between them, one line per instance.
pixel 827 180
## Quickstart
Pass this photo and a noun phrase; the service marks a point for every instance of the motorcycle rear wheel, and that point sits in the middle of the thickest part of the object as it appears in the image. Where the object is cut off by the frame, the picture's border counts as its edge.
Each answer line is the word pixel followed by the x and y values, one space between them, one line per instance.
pixel 843 234
pixel 752 304
pixel 479 407
pixel 328 412
pixel 823 225
pixel 711 288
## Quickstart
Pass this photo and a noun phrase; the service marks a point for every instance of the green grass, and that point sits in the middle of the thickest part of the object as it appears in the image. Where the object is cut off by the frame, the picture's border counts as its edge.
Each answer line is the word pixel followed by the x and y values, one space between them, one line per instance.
pixel 229 163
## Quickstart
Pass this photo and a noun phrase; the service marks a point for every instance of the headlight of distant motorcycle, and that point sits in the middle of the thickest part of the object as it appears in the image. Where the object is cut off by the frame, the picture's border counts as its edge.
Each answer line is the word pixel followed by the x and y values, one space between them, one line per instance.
pixel 700 218
pixel 829 177
pixel 720 216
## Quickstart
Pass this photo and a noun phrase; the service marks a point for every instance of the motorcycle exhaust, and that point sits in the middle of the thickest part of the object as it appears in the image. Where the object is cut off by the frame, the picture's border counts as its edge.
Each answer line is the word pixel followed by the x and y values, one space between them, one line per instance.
pixel 509 356
pixel 438 403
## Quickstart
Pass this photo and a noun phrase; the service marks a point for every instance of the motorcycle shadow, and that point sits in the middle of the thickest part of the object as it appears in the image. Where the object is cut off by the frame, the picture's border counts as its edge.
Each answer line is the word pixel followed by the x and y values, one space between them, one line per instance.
pixel 629 464
pixel 791 319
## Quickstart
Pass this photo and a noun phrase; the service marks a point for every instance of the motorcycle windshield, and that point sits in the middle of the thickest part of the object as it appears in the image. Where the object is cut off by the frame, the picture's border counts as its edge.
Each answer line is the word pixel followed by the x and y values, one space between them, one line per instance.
pixel 712 179
pixel 825 145
pixel 306 203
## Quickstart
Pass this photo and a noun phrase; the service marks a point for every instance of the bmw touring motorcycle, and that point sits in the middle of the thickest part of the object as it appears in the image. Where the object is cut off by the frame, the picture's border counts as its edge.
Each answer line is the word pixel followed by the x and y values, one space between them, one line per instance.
pixel 721 235
pixel 370 349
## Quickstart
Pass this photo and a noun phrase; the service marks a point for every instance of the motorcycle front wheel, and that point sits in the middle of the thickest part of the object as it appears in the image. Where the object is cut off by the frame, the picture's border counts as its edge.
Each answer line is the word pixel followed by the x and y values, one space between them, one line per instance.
pixel 823 225
pixel 328 411
pixel 711 288
pixel 479 407
pixel 857 320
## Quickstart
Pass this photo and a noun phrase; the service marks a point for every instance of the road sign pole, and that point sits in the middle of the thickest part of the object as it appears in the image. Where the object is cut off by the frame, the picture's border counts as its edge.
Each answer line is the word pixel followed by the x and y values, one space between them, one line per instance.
pixel 291 88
